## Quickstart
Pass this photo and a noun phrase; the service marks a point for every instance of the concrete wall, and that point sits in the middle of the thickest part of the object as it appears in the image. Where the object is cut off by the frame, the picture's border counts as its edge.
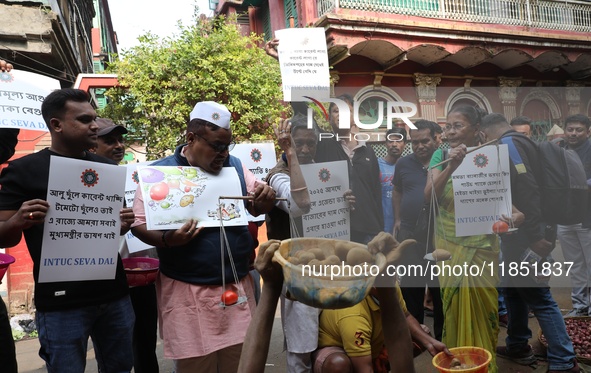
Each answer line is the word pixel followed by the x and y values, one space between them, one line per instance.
pixel 25 29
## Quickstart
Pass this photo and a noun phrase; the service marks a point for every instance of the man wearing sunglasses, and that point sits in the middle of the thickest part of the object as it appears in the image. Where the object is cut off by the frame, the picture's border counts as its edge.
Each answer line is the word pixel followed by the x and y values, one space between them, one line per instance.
pixel 200 335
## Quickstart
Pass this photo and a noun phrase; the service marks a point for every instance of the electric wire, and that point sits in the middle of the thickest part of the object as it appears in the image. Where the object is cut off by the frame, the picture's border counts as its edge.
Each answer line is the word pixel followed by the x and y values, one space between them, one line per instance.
pixel 45 73
pixel 36 61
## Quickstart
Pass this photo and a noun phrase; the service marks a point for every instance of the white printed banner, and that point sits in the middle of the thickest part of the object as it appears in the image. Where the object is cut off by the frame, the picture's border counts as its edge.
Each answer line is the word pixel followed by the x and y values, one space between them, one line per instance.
pixel 329 213
pixel 482 190
pixel 21 95
pixel 174 194
pixel 82 226
pixel 303 61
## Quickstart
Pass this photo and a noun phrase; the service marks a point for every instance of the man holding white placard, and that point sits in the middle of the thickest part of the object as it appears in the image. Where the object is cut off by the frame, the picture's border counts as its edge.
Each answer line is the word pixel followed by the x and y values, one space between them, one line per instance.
pixel 367 218
pixel 299 321
pixel 341 144
pixel 522 291
pixel 68 312
pixel 202 331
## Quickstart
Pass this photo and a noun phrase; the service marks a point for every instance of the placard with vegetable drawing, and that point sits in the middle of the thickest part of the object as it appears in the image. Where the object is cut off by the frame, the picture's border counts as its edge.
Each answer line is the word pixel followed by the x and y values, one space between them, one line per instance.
pixel 173 195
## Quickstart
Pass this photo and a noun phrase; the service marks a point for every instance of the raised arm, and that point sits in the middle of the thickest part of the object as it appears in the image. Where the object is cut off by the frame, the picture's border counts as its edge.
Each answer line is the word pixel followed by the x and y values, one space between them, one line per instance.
pixel 271 48
pixel 258 336
pixel 437 178
pixel 396 332
pixel 419 335
pixel 298 188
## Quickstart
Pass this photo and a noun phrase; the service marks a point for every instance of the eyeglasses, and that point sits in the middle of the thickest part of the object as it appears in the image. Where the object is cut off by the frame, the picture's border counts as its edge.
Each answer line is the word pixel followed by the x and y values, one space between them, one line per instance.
pixel 456 127
pixel 218 148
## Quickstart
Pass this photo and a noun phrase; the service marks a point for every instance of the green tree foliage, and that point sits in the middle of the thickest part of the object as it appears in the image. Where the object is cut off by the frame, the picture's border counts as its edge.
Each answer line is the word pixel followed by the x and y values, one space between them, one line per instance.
pixel 162 79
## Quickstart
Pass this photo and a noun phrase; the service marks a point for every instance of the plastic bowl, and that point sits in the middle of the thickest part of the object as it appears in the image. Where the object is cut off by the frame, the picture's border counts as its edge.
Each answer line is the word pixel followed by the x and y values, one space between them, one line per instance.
pixel 321 290
pixel 467 355
pixel 141 271
pixel 5 261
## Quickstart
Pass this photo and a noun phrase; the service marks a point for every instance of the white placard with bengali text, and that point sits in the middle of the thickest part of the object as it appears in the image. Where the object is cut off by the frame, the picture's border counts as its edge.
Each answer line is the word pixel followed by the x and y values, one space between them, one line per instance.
pixel 259 158
pixel 329 212
pixel 175 194
pixel 303 62
pixel 132 182
pixel 82 226
pixel 21 95
pixel 482 190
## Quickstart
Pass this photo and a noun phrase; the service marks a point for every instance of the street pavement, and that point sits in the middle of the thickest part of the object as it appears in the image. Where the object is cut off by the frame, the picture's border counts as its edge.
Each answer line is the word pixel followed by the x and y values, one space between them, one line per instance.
pixel 30 362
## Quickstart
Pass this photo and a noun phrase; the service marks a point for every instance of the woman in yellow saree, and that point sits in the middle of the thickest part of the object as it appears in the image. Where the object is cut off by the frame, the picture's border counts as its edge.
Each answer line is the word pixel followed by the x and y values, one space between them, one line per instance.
pixel 469 302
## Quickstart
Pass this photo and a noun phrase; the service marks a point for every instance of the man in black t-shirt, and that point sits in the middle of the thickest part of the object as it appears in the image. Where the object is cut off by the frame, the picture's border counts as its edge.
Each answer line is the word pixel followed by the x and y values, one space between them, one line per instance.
pixel 67 312
pixel 523 291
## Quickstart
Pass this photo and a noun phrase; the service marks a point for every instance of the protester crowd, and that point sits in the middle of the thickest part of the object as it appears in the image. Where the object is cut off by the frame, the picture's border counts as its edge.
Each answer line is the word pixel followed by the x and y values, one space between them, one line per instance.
pixel 387 197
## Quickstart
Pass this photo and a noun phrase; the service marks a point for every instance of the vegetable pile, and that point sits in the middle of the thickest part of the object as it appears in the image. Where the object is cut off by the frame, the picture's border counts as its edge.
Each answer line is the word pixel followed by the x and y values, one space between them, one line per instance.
pixel 456 364
pixel 579 331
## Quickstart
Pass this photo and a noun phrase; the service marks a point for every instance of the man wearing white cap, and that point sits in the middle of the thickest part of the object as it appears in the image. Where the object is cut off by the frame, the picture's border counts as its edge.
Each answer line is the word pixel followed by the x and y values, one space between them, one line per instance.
pixel 200 335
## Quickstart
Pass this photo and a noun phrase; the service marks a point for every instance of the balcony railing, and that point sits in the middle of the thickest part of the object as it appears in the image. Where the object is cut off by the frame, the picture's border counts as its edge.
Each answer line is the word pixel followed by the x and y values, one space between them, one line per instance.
pixel 549 14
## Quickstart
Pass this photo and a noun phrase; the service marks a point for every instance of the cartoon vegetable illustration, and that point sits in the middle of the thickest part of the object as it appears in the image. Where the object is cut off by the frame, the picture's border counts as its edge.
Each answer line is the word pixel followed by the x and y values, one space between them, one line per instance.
pixel 159 191
pixel 186 200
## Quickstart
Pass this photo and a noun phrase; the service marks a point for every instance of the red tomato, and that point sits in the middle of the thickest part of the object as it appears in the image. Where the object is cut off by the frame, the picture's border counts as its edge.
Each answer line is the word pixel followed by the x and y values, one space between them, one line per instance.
pixel 159 191
pixel 500 227
pixel 229 297
pixel 187 189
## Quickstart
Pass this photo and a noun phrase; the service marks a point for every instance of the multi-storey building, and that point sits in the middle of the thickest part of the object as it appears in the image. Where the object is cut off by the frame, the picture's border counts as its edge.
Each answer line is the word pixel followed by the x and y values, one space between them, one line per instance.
pixel 515 57
pixel 59 39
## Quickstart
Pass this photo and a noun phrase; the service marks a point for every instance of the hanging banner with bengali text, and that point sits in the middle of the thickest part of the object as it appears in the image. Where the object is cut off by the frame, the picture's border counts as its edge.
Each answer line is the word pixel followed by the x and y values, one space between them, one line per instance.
pixel 21 95
pixel 482 190
pixel 303 61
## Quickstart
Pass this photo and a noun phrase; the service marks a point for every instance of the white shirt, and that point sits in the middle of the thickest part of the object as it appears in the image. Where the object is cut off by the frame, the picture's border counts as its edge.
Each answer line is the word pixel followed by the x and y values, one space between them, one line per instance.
pixel 281 183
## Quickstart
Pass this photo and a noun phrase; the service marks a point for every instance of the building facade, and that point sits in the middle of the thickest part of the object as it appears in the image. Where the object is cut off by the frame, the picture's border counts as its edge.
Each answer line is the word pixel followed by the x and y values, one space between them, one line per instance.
pixel 512 57
pixel 58 39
